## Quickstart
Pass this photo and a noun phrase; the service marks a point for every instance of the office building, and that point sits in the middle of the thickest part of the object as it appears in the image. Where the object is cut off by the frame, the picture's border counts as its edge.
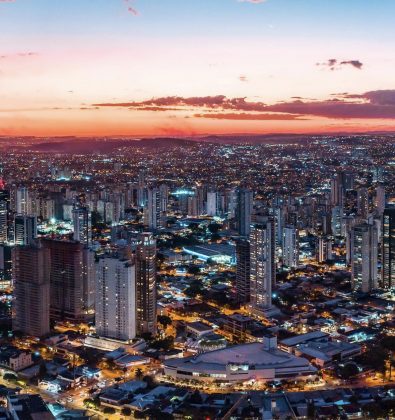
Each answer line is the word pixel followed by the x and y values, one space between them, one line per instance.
pixel 31 290
pixel 146 284
pixel 115 298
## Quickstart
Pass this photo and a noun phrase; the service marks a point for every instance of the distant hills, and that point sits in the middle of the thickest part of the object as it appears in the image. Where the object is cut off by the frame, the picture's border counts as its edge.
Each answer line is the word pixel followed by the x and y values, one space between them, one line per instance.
pixel 104 145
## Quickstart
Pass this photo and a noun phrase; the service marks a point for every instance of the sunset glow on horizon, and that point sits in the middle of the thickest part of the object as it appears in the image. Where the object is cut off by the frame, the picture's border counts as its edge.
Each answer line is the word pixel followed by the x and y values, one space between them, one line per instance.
pixel 174 67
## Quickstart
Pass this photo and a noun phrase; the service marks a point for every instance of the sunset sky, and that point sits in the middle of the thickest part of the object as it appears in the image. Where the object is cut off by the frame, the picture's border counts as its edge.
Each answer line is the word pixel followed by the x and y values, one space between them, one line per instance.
pixel 189 67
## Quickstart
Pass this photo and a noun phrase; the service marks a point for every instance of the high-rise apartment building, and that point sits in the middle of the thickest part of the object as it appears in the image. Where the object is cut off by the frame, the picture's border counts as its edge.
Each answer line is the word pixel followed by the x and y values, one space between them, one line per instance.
pixel 154 209
pixel 290 246
pixel 262 263
pixel 212 203
pixel 243 211
pixel 146 284
pixel 388 249
pixel 115 298
pixel 243 266
pixel 82 225
pixel 3 220
pixel 31 290
pixel 23 204
pixel 25 229
pixel 363 203
pixel 364 247
pixel 72 278
pixel 324 249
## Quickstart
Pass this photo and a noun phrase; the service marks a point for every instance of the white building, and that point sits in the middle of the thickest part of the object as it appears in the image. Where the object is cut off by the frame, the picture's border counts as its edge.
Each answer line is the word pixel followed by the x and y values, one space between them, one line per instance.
pixel 290 247
pixel 212 203
pixel 23 204
pixel 244 362
pixel 115 303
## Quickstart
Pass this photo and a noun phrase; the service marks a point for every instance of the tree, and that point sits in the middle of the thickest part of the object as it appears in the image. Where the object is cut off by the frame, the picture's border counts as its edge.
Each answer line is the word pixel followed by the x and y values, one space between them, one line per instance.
pixel 150 381
pixel 388 343
pixel 139 373
pixel 10 377
pixel 214 227
pixel 156 414
pixel 349 370
pixel 195 398
pixel 164 320
pixel 166 343
pixel 109 410
pixel 42 371
pixel 194 289
pixel 126 411
pixel 310 409
pixel 193 269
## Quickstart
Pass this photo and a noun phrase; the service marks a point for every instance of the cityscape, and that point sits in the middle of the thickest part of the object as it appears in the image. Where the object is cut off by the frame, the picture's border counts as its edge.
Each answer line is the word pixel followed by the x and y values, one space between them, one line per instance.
pixel 157 280
pixel 197 210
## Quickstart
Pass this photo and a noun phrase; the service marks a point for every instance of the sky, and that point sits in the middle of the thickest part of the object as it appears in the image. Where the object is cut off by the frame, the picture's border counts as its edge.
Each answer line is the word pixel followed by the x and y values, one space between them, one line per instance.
pixel 196 67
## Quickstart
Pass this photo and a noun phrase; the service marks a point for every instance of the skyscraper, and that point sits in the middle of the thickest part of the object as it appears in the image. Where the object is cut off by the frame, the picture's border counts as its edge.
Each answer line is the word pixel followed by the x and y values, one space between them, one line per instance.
pixel 388 249
pixel 337 190
pixel 336 220
pixel 23 205
pixel 364 244
pixel 72 280
pixel 290 246
pixel 380 198
pixel 262 262
pixel 324 249
pixel 82 225
pixel 244 211
pixel 25 229
pixel 363 203
pixel 243 266
pixel 154 209
pixel 146 284
pixel 31 290
pixel 3 220
pixel 212 203
pixel 142 190
pixel 115 298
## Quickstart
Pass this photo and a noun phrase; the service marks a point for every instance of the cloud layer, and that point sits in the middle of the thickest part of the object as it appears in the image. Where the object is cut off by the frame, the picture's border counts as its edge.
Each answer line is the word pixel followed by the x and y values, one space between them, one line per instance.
pixel 334 64
pixel 379 104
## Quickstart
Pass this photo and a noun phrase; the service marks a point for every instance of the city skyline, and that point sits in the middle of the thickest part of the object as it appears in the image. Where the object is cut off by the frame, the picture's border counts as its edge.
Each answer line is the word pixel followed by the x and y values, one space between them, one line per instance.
pixel 142 67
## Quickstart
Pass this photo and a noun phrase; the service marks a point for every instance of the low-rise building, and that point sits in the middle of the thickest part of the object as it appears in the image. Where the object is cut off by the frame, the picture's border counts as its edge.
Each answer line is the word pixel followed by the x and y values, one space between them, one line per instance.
pixel 257 361
pixel 15 359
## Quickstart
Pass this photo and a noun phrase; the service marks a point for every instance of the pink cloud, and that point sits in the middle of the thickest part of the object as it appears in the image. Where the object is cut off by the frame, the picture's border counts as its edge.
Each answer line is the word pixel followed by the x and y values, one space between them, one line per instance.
pixel 379 104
